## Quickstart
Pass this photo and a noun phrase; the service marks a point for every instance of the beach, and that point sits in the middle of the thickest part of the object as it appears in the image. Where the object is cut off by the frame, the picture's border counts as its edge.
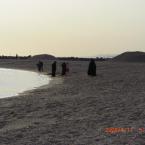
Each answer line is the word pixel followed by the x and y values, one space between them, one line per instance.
pixel 77 109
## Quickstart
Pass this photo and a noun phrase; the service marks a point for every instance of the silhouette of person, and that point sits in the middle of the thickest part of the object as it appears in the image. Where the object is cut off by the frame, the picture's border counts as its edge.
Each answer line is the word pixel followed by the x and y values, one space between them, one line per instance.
pixel 67 67
pixel 40 66
pixel 63 68
pixel 92 68
pixel 53 69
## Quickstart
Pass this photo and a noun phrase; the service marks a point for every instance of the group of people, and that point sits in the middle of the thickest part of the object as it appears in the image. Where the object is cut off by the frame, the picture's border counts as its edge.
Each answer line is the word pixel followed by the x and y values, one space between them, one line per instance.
pixel 65 68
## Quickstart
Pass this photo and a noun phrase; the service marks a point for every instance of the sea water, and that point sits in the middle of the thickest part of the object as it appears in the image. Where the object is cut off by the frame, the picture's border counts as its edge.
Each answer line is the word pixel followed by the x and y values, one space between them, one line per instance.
pixel 13 81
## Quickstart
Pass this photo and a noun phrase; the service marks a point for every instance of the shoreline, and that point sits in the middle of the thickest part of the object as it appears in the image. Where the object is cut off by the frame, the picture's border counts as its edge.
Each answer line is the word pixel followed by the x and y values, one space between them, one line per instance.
pixel 30 90
pixel 52 83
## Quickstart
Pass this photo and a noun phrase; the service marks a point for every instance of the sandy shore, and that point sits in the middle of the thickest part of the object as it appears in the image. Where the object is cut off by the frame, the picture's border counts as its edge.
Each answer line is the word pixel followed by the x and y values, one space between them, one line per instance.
pixel 77 109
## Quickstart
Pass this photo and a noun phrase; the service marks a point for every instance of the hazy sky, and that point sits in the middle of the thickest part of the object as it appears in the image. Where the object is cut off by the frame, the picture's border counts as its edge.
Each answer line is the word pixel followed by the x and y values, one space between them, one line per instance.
pixel 71 27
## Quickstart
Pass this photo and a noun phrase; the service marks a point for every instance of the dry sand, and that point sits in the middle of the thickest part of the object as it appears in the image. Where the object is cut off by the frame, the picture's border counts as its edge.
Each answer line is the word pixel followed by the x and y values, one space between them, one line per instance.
pixel 76 109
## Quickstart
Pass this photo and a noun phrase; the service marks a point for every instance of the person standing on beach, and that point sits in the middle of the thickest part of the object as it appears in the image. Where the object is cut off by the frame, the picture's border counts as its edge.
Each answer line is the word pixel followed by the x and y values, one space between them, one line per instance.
pixel 63 69
pixel 40 66
pixel 67 67
pixel 92 68
pixel 53 69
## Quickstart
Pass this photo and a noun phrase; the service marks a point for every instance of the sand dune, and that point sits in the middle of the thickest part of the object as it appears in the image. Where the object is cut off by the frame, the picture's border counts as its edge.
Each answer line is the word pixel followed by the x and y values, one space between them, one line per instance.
pixel 135 56
pixel 76 109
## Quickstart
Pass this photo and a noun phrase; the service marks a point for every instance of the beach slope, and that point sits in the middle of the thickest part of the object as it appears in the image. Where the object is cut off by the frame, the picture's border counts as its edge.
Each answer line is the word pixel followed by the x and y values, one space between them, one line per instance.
pixel 77 109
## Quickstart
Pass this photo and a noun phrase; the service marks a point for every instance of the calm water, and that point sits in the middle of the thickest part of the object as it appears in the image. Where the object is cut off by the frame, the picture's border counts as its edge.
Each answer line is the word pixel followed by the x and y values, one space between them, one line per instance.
pixel 13 82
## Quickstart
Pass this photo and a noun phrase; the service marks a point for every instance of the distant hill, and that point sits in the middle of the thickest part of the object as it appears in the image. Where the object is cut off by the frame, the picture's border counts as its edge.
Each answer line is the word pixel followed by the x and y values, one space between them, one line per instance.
pixel 43 56
pixel 136 56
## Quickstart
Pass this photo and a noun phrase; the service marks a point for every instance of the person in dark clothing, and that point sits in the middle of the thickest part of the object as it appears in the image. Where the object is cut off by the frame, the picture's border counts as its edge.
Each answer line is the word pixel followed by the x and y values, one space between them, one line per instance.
pixel 40 66
pixel 53 69
pixel 67 67
pixel 92 68
pixel 63 68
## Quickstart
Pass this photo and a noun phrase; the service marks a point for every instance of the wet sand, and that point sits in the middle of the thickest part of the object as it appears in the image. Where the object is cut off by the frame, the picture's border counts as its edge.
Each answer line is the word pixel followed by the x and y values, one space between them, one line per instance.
pixel 76 109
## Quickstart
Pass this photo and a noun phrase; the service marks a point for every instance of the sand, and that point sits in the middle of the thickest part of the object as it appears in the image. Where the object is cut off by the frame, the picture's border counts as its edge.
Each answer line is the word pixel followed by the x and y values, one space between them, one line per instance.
pixel 77 109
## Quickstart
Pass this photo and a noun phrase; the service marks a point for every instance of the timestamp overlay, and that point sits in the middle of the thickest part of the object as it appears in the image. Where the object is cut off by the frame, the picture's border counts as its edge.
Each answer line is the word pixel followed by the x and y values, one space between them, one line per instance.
pixel 120 135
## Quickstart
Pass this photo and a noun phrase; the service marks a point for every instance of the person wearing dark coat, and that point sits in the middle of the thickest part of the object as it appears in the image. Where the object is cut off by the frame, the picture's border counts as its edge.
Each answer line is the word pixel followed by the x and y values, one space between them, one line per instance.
pixel 40 66
pixel 92 68
pixel 67 67
pixel 53 69
pixel 63 69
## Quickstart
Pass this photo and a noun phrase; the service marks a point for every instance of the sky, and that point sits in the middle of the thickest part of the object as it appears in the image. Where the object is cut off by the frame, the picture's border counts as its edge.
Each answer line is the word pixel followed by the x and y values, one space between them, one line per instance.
pixel 71 27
